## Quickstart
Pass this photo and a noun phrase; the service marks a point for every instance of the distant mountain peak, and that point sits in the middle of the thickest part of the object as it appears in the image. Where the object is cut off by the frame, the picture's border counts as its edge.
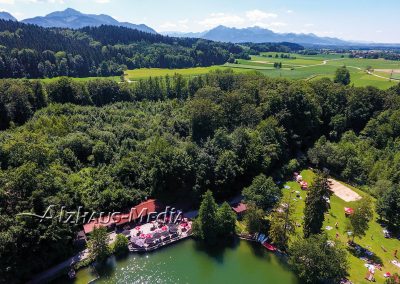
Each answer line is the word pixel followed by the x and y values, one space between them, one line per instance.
pixel 65 13
pixel 71 18
pixel 7 16
pixel 259 34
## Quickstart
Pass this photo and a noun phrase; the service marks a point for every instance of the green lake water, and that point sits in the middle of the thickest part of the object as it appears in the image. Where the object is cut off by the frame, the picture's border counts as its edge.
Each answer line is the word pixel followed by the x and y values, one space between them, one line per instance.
pixel 189 262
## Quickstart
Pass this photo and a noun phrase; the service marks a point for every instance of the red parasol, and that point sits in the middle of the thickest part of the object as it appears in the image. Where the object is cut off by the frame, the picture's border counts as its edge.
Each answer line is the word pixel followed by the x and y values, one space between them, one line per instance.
pixel 348 210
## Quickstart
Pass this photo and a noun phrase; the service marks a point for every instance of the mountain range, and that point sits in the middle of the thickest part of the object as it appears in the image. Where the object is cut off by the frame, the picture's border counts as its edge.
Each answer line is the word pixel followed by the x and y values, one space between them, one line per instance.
pixel 259 35
pixel 74 19
pixel 7 16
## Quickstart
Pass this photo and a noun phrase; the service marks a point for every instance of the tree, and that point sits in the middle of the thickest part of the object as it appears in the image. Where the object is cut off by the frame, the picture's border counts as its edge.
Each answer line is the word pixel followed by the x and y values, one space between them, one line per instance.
pixel 318 260
pixel 66 90
pixel 342 76
pixel 103 91
pixel 388 205
pixel 98 244
pixel 207 220
pixel 205 118
pixel 315 205
pixel 226 220
pixel 253 218
pixel 282 224
pixel 263 192
pixel 359 220
pixel 120 245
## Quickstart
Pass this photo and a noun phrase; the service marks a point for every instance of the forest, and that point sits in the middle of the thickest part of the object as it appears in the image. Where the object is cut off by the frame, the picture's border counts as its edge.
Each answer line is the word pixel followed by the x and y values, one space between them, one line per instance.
pixel 29 51
pixel 106 146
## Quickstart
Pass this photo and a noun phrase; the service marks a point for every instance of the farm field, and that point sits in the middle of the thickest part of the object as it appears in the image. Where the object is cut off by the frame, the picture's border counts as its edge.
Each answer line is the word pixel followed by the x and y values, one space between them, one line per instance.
pixel 373 241
pixel 310 67
pixel 302 67
pixel 144 73
pixel 84 79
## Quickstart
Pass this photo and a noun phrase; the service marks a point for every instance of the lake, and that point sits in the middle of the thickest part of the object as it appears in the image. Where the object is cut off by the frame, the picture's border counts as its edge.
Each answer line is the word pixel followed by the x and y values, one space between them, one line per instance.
pixel 190 262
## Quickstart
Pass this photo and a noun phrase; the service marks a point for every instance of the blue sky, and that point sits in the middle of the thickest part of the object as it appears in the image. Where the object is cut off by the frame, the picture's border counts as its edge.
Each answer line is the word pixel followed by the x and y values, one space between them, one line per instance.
pixel 366 20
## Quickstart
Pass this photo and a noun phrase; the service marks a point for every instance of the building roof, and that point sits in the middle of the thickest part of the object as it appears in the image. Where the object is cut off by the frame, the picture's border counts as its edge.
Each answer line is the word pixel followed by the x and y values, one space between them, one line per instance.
pixel 239 208
pixel 138 211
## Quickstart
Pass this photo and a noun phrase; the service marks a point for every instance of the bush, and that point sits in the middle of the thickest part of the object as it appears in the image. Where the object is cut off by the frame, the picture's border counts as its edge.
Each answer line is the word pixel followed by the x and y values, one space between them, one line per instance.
pixel 120 245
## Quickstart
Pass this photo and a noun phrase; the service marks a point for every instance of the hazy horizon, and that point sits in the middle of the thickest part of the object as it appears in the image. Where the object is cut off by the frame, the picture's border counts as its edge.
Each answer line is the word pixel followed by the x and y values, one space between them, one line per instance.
pixel 344 19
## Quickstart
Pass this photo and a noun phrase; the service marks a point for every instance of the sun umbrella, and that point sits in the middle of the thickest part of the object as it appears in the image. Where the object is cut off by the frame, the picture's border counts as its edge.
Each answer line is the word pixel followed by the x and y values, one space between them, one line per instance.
pixel 164 228
pixel 139 243
pixel 173 228
pixel 148 236
pixel 142 236
pixel 348 210
pixel 149 241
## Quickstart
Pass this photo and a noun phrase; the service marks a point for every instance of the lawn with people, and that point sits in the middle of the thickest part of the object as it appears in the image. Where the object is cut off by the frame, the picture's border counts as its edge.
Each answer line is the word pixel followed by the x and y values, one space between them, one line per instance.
pixel 336 227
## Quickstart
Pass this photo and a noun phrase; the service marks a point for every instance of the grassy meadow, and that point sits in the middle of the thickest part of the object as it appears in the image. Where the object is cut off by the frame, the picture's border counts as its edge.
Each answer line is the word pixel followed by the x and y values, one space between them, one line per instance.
pixel 373 241
pixel 144 73
pixel 298 67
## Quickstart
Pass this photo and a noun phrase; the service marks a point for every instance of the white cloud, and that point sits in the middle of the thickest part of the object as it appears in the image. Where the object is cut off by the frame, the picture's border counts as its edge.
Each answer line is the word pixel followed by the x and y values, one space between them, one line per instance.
pixel 47 1
pixel 246 19
pixel 167 26
pixel 185 21
pixel 216 19
pixel 102 1
pixel 258 15
pixel 290 11
pixel 181 25
pixel 9 2
pixel 271 25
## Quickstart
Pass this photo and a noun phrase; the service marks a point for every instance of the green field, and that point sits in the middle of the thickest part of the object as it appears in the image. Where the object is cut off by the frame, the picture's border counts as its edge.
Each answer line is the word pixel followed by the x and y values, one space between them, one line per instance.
pixel 302 67
pixel 323 65
pixel 49 80
pixel 373 240
pixel 144 73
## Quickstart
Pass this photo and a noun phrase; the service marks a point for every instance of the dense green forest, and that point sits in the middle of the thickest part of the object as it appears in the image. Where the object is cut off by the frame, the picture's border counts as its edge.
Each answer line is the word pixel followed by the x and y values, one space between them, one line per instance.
pixel 285 47
pixel 107 146
pixel 29 51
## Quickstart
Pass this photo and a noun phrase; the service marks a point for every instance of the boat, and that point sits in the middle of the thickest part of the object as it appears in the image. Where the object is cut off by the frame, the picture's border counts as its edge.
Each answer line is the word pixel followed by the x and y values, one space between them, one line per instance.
pixel 269 246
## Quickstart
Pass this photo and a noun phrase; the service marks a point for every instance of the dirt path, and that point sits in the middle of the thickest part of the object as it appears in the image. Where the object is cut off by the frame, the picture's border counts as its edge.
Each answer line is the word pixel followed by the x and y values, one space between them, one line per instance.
pixel 320 64
pixel 373 74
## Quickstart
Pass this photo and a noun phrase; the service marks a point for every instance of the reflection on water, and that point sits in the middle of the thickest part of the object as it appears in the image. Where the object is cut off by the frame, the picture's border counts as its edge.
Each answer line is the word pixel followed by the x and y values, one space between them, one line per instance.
pixel 192 262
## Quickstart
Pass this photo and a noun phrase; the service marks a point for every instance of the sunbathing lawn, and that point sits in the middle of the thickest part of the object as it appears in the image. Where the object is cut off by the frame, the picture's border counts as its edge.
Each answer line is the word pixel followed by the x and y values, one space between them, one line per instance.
pixel 373 240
